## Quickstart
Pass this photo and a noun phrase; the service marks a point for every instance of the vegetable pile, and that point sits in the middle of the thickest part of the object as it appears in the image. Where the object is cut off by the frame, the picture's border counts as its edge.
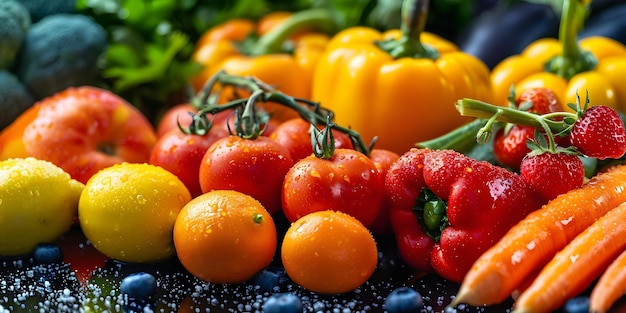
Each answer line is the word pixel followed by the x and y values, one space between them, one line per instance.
pixel 192 139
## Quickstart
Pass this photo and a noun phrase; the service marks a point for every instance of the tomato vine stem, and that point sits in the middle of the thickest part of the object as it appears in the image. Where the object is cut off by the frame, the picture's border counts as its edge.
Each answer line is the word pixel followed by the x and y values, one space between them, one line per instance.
pixel 249 117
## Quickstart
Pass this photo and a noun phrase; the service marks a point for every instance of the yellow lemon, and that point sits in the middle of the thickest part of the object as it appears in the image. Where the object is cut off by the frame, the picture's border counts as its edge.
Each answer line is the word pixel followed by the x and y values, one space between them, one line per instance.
pixel 38 203
pixel 128 211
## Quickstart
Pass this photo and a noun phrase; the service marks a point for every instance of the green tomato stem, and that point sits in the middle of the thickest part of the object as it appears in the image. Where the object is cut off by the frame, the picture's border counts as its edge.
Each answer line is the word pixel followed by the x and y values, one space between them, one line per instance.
pixel 261 92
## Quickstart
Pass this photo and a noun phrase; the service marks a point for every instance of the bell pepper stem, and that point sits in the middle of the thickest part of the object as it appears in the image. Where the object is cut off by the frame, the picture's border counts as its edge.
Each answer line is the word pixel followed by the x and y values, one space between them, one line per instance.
pixel 414 14
pixel 273 41
pixel 431 213
pixel 573 59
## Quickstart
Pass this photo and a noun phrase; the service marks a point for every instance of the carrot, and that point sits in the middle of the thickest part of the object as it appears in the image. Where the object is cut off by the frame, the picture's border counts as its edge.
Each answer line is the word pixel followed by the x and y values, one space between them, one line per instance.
pixel 610 287
pixel 574 268
pixel 532 242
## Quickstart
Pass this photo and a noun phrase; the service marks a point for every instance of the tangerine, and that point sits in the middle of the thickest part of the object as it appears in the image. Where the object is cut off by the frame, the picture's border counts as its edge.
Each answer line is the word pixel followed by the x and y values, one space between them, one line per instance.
pixel 224 236
pixel 329 252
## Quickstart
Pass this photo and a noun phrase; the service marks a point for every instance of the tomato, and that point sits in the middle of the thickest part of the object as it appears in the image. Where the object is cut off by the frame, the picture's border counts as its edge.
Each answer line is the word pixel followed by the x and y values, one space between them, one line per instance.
pixel 294 135
pixel 179 113
pixel 227 120
pixel 383 159
pixel 181 154
pixel 255 167
pixel 348 182
pixel 82 130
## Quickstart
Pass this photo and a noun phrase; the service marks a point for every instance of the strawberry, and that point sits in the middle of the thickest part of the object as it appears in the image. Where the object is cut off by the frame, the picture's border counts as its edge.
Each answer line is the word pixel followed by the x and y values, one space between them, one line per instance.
pixel 551 174
pixel 599 133
pixel 509 145
pixel 541 101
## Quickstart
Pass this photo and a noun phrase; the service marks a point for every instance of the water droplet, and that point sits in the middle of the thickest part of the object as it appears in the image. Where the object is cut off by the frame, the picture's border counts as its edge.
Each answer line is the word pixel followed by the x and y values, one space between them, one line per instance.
pixel 141 199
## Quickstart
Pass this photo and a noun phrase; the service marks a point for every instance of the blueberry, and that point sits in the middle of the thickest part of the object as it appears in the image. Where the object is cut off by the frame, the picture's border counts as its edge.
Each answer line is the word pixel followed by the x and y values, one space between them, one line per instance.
pixel 270 278
pixel 138 285
pixel 404 299
pixel 283 303
pixel 578 304
pixel 47 253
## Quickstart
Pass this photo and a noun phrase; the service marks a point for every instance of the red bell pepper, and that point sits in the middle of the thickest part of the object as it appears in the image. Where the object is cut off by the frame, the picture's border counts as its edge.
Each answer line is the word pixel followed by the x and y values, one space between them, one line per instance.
pixel 447 208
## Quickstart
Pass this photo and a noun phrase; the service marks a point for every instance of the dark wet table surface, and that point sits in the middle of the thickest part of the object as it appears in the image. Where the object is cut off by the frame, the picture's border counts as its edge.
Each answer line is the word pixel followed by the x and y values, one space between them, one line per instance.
pixel 88 282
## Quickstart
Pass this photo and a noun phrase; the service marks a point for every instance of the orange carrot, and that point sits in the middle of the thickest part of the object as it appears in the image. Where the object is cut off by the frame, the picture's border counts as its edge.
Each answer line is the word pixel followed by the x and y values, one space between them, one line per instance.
pixel 576 266
pixel 532 242
pixel 610 287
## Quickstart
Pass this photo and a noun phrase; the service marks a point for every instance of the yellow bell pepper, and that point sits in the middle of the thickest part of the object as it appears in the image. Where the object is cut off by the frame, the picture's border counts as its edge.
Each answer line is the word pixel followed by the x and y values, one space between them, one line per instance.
pixel 284 55
pixel 400 85
pixel 566 65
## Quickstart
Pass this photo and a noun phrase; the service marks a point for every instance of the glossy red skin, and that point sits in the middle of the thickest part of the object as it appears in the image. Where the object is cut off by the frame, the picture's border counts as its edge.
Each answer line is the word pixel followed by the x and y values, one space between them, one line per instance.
pixel 544 100
pixel 181 154
pixel 255 167
pixel 483 201
pixel 85 129
pixel 510 147
pixel 294 135
pixel 599 133
pixel 382 159
pixel 179 113
pixel 551 174
pixel 348 182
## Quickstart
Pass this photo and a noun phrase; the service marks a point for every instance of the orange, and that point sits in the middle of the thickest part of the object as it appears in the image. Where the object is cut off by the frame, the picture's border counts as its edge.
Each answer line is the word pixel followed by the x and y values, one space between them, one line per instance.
pixel 329 252
pixel 224 236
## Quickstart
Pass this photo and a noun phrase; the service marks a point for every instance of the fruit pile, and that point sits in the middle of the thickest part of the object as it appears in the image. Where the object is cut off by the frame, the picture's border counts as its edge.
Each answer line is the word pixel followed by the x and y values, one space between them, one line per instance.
pixel 303 161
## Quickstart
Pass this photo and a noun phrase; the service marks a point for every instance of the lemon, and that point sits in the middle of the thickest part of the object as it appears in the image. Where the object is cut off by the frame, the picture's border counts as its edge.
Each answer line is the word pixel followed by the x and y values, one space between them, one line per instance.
pixel 127 211
pixel 38 204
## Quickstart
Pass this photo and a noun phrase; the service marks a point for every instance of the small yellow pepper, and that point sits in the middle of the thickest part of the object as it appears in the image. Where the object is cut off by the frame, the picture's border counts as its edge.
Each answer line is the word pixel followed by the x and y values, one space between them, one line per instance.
pixel 400 85
pixel 593 65
pixel 281 50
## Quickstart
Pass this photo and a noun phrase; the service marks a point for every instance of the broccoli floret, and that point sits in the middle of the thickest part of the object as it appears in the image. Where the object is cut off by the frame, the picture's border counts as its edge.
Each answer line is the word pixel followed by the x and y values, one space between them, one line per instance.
pixel 14 24
pixel 60 51
pixel 14 99
pixel 17 10
pixel 41 8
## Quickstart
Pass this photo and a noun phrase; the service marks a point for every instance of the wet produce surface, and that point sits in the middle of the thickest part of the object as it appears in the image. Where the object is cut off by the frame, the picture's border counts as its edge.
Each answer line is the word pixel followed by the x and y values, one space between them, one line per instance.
pixel 86 281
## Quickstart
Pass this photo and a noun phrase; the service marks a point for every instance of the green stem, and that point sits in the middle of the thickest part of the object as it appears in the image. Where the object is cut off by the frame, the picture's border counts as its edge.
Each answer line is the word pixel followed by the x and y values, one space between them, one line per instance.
pixel 431 213
pixel 480 109
pixel 414 14
pixel 273 41
pixel 460 139
pixel 573 59
pixel 248 127
pixel 317 118
pixel 309 110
